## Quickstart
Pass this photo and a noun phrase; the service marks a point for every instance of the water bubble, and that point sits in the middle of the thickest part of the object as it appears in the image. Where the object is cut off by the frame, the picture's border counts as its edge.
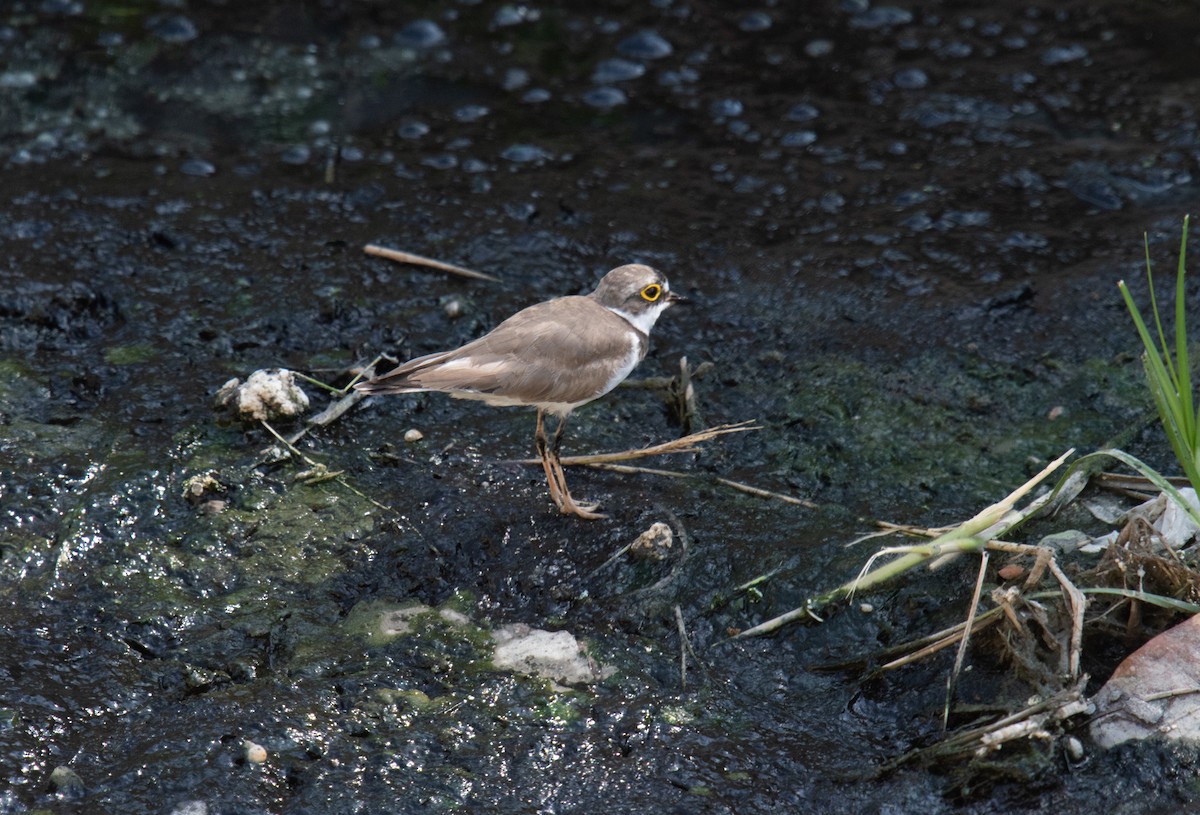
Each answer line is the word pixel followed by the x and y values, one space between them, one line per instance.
pixel 471 113
pixel 911 79
pixel 918 222
pixel 524 211
pixel 514 15
pixel 1030 241
pixel 296 154
pixel 881 17
pixel 726 108
pixel 955 50
pixel 514 78
pixel 1059 55
pixel 802 112
pixel 645 44
pixel 412 130
pixel 604 97
pixel 819 48
pixel 832 201
pixel 198 168
pixel 675 79
pixel 70 8
pixel 420 34
pixel 798 138
pixel 172 28
pixel 756 21
pixel 525 153
pixel 617 70
pixel 18 79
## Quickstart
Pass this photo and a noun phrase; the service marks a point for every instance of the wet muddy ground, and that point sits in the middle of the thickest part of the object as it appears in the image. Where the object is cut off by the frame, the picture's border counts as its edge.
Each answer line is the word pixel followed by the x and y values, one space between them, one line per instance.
pixel 900 226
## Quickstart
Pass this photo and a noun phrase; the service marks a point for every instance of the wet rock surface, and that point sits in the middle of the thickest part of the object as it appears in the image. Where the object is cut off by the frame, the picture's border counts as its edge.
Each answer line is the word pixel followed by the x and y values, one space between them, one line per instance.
pixel 900 226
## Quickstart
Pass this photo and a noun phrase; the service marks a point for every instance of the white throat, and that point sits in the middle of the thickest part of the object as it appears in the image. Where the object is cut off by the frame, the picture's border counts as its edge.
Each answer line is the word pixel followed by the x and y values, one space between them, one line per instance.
pixel 645 321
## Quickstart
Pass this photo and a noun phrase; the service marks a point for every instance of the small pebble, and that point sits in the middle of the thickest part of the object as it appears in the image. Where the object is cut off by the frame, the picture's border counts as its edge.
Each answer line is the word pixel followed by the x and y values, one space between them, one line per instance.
pixel 1074 748
pixel 191 808
pixel 1011 572
pixel 866 608
pixel 66 783
pixel 255 753
pixel 413 435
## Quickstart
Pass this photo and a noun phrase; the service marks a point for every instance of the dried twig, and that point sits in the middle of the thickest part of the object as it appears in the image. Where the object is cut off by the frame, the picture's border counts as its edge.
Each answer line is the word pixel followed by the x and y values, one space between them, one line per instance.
pixel 736 485
pixel 421 260
pixel 943 639
pixel 684 444
pixel 952 679
pixel 761 493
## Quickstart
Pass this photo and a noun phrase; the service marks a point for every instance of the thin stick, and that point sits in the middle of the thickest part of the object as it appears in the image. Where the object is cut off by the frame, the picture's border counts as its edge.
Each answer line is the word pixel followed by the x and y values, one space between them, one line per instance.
pixel 944 640
pixel 1078 603
pixel 620 553
pixel 952 680
pixel 685 444
pixel 421 260
pixel 737 485
pixel 761 493
pixel 684 647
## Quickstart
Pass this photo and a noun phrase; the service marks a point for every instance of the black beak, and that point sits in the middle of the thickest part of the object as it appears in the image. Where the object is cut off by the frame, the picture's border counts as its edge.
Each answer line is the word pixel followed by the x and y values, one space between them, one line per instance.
pixel 673 298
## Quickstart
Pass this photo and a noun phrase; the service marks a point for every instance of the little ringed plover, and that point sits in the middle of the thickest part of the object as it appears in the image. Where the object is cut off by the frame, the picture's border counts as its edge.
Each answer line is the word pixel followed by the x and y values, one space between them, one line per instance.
pixel 553 356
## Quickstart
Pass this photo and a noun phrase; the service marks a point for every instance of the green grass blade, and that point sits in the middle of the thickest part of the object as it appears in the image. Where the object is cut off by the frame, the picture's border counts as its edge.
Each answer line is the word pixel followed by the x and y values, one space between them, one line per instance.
pixel 1152 475
pixel 1183 367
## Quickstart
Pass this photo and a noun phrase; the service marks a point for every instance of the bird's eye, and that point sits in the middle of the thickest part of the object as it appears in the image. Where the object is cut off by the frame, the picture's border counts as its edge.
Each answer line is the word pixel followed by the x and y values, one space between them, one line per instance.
pixel 652 292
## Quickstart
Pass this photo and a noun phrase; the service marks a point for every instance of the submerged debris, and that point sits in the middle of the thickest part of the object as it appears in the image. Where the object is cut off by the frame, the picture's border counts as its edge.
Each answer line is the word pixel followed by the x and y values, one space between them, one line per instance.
pixel 1154 692
pixel 653 544
pixel 554 655
pixel 268 395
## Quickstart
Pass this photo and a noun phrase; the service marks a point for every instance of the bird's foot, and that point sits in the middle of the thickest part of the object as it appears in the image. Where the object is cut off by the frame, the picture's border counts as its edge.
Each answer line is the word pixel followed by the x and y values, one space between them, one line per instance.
pixel 586 511
pixel 556 479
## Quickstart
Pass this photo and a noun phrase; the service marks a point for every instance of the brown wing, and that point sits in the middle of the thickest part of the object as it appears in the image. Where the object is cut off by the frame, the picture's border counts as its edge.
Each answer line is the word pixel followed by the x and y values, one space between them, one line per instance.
pixel 527 355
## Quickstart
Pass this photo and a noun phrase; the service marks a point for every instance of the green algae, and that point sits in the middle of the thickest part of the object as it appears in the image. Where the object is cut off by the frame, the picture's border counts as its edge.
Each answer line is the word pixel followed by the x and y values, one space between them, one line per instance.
pixel 131 354
pixel 946 432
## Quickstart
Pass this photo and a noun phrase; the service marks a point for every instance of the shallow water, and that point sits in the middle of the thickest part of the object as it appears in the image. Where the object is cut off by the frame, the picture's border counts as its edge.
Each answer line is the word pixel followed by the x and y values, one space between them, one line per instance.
pixel 900 227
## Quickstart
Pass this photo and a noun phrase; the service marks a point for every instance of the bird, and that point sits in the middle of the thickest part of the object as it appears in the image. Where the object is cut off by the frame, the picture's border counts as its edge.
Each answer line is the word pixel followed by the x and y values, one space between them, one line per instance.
pixel 553 356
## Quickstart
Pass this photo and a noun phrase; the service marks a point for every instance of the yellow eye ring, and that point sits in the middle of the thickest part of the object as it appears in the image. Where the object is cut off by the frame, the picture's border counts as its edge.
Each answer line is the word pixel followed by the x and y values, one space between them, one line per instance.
pixel 652 292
